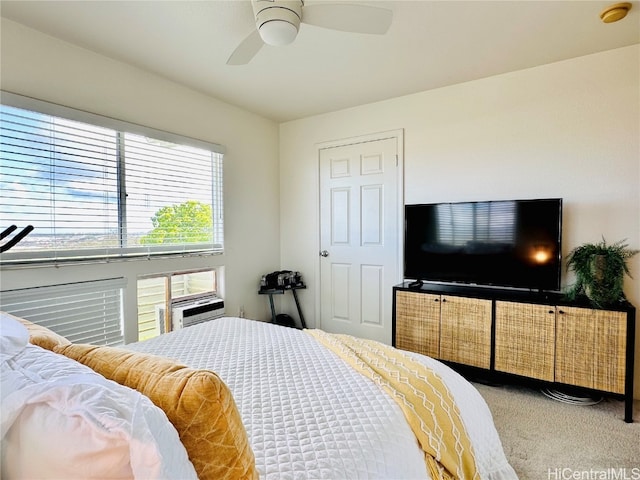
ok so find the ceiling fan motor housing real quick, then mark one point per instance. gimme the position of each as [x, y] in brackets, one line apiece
[278, 21]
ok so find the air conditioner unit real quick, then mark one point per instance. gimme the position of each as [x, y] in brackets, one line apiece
[185, 313]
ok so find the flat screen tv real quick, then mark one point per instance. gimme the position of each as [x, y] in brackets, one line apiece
[505, 243]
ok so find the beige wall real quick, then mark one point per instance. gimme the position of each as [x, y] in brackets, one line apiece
[39, 66]
[569, 129]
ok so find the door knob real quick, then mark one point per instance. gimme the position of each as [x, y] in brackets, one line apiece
[324, 253]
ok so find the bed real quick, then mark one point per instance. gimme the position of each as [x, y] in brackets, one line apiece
[298, 409]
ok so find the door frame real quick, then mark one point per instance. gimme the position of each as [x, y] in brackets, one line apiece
[398, 134]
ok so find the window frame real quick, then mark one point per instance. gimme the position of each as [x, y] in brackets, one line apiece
[169, 298]
[122, 252]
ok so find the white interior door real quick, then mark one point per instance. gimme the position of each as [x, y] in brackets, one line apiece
[360, 232]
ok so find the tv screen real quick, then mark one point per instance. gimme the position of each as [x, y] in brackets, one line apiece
[506, 243]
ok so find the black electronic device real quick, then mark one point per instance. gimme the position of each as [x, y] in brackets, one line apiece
[502, 243]
[281, 279]
[285, 320]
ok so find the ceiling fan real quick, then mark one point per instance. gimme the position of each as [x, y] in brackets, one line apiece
[278, 22]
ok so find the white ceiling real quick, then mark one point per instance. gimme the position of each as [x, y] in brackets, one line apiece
[430, 44]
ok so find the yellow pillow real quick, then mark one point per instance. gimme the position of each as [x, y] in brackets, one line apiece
[197, 402]
[42, 336]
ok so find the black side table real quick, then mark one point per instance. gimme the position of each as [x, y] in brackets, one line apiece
[280, 291]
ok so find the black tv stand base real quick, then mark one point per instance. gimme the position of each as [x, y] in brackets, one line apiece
[416, 284]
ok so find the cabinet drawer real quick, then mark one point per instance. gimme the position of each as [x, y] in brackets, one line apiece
[465, 335]
[418, 323]
[525, 339]
[591, 348]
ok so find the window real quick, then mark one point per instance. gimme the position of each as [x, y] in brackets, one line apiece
[96, 188]
[82, 312]
[156, 293]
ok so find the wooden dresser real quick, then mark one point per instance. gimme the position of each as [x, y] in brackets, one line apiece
[541, 337]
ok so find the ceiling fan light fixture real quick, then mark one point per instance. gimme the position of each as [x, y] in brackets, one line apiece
[278, 21]
[278, 32]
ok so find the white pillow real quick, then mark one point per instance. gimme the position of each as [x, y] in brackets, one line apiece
[13, 336]
[60, 419]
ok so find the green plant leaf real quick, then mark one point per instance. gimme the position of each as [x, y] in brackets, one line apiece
[600, 269]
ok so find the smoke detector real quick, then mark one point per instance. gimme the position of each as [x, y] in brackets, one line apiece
[615, 12]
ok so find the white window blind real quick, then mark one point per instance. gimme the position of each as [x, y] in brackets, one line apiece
[83, 312]
[96, 188]
[170, 200]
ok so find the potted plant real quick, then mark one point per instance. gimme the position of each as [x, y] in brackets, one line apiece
[600, 270]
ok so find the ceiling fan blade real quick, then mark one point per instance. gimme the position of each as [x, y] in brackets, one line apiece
[246, 50]
[348, 17]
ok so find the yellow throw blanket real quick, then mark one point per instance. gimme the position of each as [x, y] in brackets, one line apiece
[423, 397]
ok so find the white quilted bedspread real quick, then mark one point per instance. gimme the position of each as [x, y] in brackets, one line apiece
[311, 416]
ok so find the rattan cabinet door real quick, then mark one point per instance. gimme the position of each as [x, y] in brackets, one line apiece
[610, 352]
[591, 348]
[465, 331]
[418, 322]
[525, 339]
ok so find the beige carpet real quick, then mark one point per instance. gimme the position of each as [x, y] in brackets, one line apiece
[547, 439]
